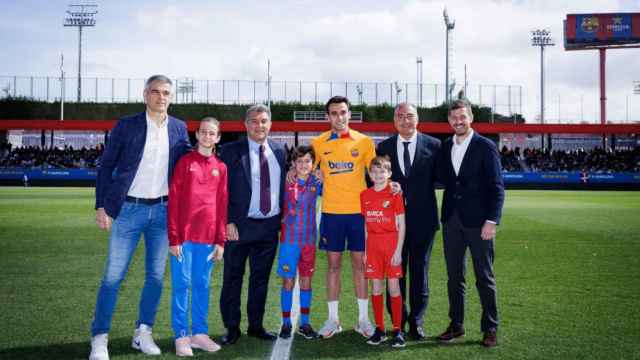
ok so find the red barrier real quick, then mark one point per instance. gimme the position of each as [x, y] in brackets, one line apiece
[427, 127]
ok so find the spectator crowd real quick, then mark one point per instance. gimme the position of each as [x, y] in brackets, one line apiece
[49, 158]
[597, 160]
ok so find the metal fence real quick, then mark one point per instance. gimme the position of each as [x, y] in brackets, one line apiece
[502, 99]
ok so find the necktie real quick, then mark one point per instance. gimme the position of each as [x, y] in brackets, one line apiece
[406, 158]
[265, 183]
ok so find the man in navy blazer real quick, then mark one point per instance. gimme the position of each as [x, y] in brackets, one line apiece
[413, 164]
[131, 200]
[469, 168]
[256, 169]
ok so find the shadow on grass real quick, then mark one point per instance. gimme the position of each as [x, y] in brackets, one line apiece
[120, 348]
[350, 344]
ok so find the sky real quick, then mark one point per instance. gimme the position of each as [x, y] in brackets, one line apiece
[357, 41]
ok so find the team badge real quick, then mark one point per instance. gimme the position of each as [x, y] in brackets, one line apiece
[590, 24]
[215, 172]
[285, 268]
[385, 204]
[354, 152]
[313, 189]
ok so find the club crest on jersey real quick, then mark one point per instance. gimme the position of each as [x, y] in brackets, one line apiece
[215, 172]
[285, 268]
[386, 204]
[313, 189]
[354, 152]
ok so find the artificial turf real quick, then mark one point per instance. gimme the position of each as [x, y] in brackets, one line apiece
[567, 267]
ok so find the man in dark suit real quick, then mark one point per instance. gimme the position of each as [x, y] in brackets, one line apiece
[131, 200]
[256, 170]
[413, 163]
[469, 169]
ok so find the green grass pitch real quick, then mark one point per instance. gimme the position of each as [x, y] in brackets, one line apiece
[567, 267]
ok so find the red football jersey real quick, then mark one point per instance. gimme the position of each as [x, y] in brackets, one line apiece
[380, 208]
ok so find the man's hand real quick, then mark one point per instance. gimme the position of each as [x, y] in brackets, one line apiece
[395, 188]
[364, 259]
[103, 220]
[291, 176]
[176, 251]
[488, 231]
[218, 253]
[396, 259]
[232, 232]
[318, 173]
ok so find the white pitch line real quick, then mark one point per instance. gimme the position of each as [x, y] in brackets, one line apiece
[282, 347]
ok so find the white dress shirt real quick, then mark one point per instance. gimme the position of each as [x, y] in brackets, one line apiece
[413, 142]
[274, 180]
[458, 151]
[152, 177]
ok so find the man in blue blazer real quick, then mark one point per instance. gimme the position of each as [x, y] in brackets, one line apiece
[256, 169]
[131, 200]
[413, 164]
[469, 168]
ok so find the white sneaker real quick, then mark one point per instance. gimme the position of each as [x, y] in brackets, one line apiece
[330, 328]
[143, 341]
[99, 347]
[365, 328]
[204, 342]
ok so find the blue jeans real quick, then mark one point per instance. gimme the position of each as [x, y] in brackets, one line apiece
[134, 220]
[192, 270]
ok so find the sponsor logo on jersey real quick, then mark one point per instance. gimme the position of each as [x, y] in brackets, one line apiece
[374, 213]
[339, 167]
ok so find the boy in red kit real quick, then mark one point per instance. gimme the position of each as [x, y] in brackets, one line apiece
[385, 229]
[197, 231]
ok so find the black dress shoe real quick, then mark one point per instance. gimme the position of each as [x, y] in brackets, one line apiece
[261, 334]
[416, 333]
[232, 335]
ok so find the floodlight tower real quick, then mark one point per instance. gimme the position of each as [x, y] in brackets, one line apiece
[542, 38]
[450, 25]
[80, 15]
[419, 80]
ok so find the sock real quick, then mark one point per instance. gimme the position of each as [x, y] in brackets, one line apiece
[363, 310]
[305, 306]
[378, 310]
[333, 310]
[396, 311]
[286, 298]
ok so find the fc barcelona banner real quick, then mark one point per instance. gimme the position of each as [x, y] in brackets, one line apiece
[588, 31]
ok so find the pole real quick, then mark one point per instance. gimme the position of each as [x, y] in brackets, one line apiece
[79, 62]
[603, 90]
[446, 68]
[62, 86]
[541, 84]
[269, 83]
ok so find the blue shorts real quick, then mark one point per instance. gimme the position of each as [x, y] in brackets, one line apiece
[338, 229]
[294, 258]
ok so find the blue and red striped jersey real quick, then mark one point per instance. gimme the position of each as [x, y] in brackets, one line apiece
[299, 211]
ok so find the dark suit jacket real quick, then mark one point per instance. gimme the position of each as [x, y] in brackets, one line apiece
[236, 156]
[477, 193]
[122, 156]
[418, 190]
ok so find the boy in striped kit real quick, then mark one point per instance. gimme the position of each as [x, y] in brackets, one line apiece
[297, 253]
